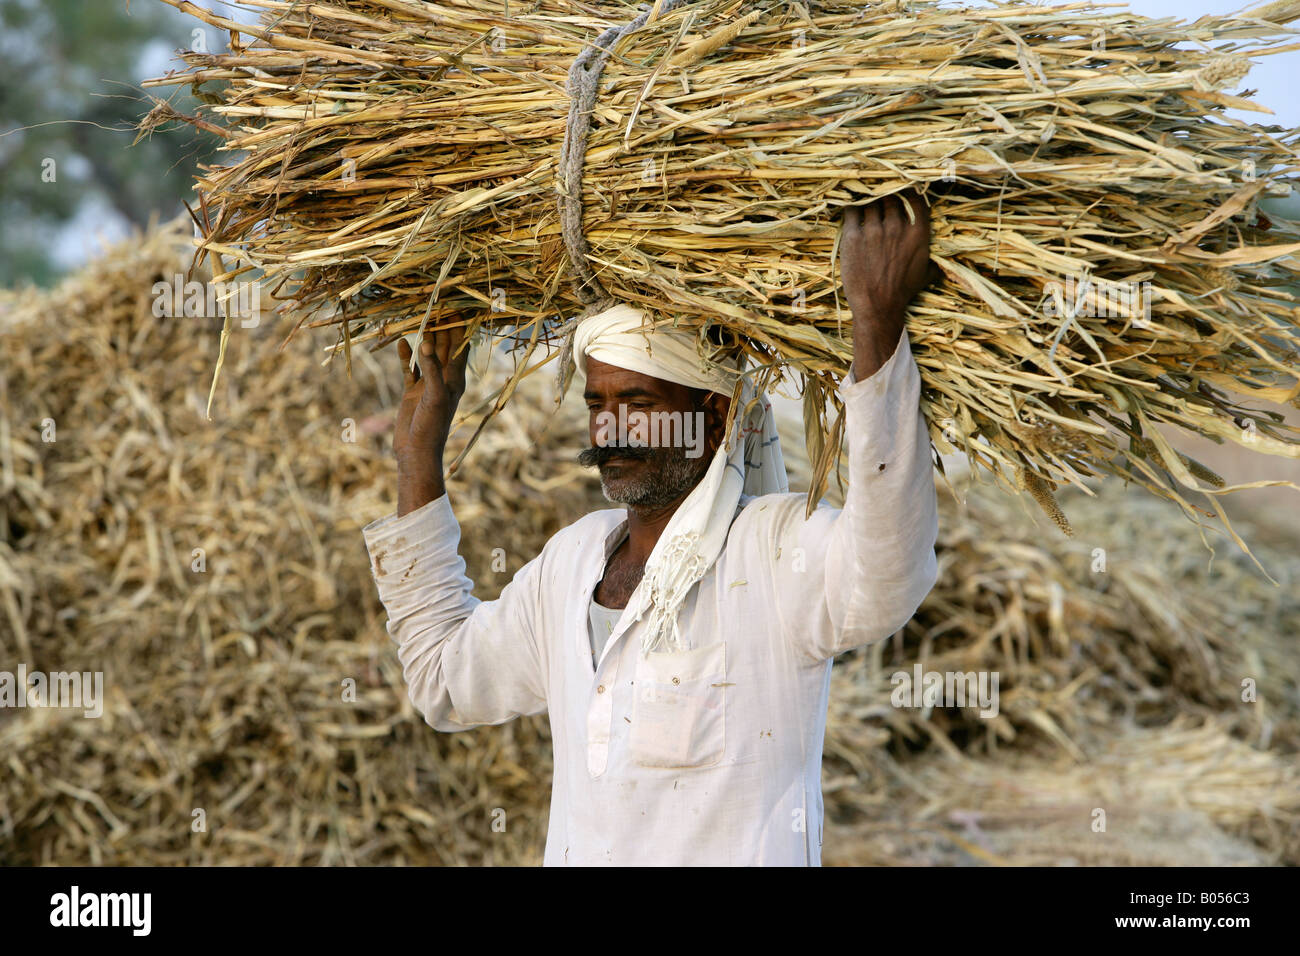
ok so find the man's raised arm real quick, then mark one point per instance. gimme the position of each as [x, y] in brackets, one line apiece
[872, 563]
[465, 662]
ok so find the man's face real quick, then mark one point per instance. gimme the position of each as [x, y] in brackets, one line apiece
[651, 439]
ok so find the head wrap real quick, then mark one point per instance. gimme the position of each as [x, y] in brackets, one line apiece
[748, 462]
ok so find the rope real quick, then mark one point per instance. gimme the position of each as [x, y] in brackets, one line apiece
[584, 77]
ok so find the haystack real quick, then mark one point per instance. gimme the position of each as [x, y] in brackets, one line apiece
[1123, 658]
[215, 572]
[1106, 266]
[1181, 795]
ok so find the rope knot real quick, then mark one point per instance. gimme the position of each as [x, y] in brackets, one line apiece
[583, 79]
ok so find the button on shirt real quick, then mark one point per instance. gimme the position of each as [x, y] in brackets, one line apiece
[707, 755]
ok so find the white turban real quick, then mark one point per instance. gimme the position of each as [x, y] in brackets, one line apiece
[624, 337]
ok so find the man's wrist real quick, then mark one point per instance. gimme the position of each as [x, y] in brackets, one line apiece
[414, 491]
[876, 335]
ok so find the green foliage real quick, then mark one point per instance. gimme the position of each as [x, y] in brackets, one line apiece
[69, 100]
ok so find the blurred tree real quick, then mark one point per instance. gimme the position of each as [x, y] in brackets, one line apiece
[69, 101]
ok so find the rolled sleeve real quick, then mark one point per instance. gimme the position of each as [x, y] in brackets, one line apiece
[466, 662]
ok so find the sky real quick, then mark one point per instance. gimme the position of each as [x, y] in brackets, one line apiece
[1273, 76]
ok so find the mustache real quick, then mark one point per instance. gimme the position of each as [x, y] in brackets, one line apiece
[598, 455]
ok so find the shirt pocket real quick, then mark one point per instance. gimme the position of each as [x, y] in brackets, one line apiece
[679, 708]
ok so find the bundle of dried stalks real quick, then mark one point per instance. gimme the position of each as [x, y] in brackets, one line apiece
[1106, 268]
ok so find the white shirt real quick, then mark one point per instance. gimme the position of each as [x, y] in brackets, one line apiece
[716, 756]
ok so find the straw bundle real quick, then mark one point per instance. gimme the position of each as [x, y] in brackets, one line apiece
[398, 162]
[224, 686]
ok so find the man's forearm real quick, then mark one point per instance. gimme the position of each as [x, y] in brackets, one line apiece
[424, 417]
[465, 663]
[883, 541]
[884, 263]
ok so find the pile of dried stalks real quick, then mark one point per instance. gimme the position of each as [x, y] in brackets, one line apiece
[1178, 795]
[398, 162]
[1101, 645]
[1087, 633]
[225, 687]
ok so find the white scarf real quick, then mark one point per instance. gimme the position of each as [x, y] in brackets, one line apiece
[623, 337]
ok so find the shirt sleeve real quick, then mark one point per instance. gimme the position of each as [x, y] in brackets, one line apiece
[867, 567]
[466, 662]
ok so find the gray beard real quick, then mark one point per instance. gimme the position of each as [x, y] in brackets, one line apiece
[674, 479]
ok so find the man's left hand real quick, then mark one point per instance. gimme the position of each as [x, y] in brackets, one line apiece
[884, 263]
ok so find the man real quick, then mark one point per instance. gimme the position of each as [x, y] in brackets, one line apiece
[682, 648]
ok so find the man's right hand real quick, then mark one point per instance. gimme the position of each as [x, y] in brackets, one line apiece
[432, 392]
